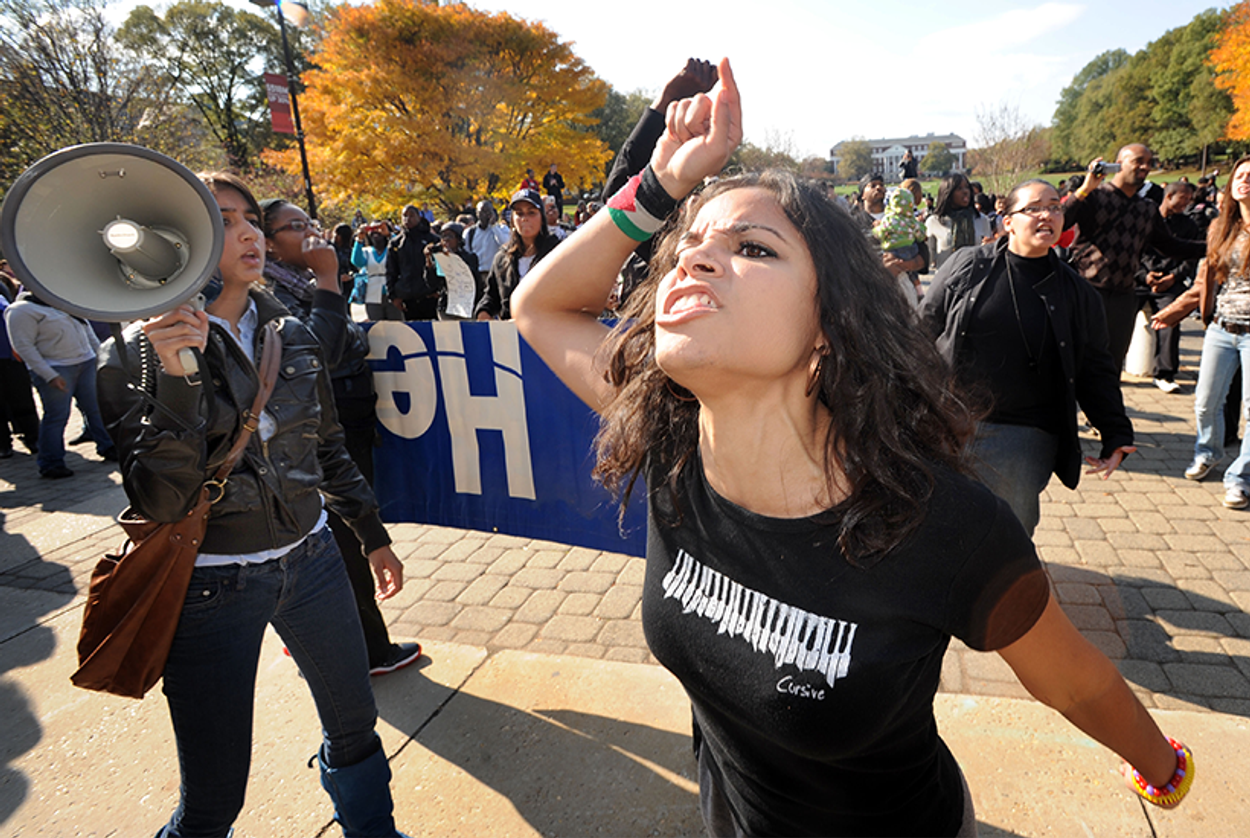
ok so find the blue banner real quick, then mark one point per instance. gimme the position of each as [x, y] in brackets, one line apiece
[478, 433]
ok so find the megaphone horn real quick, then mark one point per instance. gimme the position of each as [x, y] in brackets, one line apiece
[111, 232]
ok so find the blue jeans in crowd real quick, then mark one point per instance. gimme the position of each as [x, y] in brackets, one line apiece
[80, 387]
[1015, 462]
[210, 677]
[1222, 354]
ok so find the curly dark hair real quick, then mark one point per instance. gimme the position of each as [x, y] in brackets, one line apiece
[895, 415]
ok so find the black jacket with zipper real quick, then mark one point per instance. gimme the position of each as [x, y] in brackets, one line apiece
[1078, 325]
[274, 495]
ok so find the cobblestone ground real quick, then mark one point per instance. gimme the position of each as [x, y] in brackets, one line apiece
[1151, 567]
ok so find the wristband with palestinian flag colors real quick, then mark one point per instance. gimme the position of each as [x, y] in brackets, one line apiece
[641, 207]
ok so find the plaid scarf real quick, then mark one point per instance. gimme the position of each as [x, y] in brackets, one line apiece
[296, 282]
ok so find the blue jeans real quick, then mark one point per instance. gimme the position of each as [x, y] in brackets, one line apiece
[1222, 355]
[80, 387]
[1015, 462]
[210, 677]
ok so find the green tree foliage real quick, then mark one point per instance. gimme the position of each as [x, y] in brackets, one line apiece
[64, 80]
[1183, 89]
[1164, 95]
[938, 159]
[616, 118]
[1066, 113]
[208, 53]
[855, 158]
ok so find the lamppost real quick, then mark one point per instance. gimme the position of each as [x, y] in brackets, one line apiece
[299, 16]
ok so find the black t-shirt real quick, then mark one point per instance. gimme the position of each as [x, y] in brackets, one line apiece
[1009, 356]
[812, 680]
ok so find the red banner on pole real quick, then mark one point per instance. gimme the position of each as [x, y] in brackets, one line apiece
[279, 103]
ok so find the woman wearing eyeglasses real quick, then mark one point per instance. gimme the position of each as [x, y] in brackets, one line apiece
[301, 269]
[1027, 338]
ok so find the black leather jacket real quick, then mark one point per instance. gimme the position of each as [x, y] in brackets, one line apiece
[1078, 325]
[505, 276]
[405, 265]
[274, 495]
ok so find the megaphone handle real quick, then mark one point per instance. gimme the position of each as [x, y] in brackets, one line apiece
[190, 364]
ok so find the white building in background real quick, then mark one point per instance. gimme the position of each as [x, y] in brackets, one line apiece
[888, 153]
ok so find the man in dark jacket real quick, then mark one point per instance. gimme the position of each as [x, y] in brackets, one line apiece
[907, 167]
[553, 184]
[1161, 279]
[405, 268]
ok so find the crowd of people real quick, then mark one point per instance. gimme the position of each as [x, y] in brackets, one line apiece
[821, 435]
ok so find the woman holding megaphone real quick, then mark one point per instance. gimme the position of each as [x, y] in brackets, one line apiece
[267, 556]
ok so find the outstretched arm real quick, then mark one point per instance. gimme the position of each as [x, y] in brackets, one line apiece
[1063, 670]
[557, 305]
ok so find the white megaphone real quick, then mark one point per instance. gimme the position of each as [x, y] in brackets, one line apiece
[112, 232]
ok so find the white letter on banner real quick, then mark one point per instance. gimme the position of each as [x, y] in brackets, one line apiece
[416, 379]
[505, 412]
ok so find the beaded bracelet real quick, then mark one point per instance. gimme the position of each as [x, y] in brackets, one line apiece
[1177, 787]
[641, 206]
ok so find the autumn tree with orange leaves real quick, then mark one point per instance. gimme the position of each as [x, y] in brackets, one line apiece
[1231, 61]
[440, 104]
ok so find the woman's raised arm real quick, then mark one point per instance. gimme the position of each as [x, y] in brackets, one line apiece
[557, 305]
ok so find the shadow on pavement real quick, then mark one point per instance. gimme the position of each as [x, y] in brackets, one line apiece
[565, 772]
[1153, 619]
[23, 642]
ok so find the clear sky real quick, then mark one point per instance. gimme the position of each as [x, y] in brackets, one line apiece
[821, 71]
[815, 72]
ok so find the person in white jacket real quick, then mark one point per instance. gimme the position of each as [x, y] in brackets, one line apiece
[60, 350]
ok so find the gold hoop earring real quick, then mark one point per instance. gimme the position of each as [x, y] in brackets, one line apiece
[668, 384]
[814, 381]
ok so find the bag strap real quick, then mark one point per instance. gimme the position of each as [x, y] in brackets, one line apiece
[270, 360]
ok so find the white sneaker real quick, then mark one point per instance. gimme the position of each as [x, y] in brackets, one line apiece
[1199, 469]
[1167, 386]
[1236, 498]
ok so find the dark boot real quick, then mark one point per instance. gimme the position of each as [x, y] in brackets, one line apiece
[166, 833]
[362, 796]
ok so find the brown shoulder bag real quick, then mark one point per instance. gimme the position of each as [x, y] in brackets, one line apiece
[136, 596]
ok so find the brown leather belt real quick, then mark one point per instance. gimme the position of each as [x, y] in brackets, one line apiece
[1234, 328]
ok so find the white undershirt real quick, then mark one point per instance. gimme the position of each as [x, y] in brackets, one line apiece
[246, 339]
